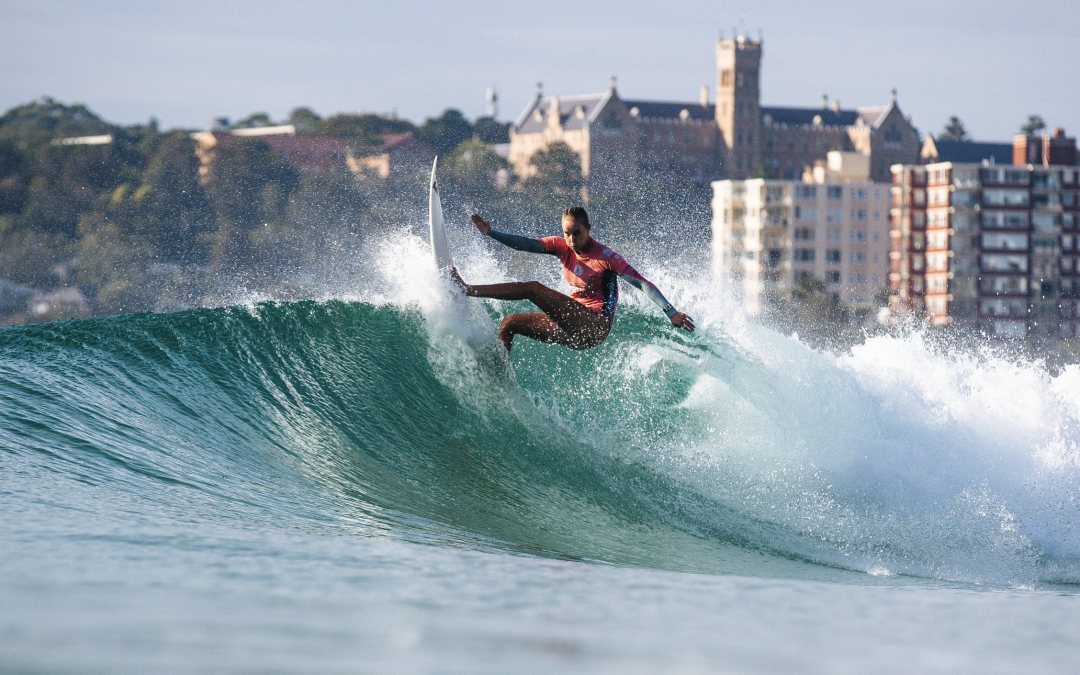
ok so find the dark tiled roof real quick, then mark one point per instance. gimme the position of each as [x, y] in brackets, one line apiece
[664, 110]
[972, 152]
[569, 113]
[805, 116]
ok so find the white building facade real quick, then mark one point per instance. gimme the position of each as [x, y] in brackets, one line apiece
[833, 225]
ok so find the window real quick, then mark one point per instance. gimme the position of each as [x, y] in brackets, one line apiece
[804, 255]
[857, 278]
[806, 191]
[860, 193]
[804, 234]
[833, 255]
[860, 214]
[832, 277]
[1004, 242]
[858, 235]
[835, 192]
[858, 256]
[833, 234]
[835, 214]
[805, 213]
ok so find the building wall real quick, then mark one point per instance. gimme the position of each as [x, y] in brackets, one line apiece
[995, 251]
[768, 233]
[738, 104]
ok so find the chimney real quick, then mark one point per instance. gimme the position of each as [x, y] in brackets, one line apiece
[836, 104]
[704, 95]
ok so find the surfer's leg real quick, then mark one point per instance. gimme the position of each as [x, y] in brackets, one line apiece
[580, 327]
[537, 326]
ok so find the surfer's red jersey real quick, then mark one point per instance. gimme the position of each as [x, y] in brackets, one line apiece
[585, 272]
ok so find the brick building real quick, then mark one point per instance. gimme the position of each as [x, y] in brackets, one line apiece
[734, 138]
[988, 246]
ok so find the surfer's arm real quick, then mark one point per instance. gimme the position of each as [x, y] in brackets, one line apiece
[630, 276]
[518, 243]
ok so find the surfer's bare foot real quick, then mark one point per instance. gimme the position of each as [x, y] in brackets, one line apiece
[458, 281]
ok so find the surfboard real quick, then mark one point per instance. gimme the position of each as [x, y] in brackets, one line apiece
[440, 247]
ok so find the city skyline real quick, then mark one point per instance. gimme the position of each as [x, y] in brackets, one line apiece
[186, 63]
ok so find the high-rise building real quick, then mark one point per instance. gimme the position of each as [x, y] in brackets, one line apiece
[986, 246]
[833, 225]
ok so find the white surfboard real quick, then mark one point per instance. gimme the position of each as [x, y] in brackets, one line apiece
[440, 247]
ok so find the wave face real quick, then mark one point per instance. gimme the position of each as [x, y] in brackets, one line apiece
[735, 450]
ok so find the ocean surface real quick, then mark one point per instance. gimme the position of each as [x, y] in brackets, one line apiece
[364, 484]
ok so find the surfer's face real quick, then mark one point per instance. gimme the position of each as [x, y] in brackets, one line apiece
[576, 234]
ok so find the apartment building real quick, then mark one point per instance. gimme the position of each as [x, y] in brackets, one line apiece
[833, 225]
[990, 247]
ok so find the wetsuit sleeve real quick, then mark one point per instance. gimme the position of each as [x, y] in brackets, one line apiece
[630, 275]
[519, 243]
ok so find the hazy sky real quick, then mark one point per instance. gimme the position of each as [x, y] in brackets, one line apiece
[991, 62]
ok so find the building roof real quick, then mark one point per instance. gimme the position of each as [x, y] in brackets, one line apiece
[937, 150]
[798, 117]
[673, 111]
[874, 116]
[574, 111]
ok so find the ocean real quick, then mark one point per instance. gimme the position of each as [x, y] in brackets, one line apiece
[363, 483]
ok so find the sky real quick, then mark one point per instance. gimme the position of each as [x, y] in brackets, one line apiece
[990, 62]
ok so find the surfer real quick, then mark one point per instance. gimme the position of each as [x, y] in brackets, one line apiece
[578, 321]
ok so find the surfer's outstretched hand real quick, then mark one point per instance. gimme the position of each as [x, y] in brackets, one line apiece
[483, 225]
[680, 320]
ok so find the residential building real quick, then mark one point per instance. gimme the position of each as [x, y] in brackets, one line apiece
[833, 225]
[309, 155]
[987, 246]
[399, 154]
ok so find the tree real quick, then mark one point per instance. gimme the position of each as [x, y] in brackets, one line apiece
[253, 121]
[37, 123]
[367, 130]
[954, 131]
[1034, 125]
[169, 207]
[13, 178]
[445, 132]
[558, 171]
[488, 130]
[249, 187]
[304, 119]
[475, 168]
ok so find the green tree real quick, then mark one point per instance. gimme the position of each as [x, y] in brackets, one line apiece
[558, 172]
[109, 266]
[475, 168]
[446, 131]
[304, 119]
[954, 131]
[367, 130]
[489, 130]
[170, 208]
[13, 178]
[249, 186]
[39, 122]
[253, 121]
[1033, 126]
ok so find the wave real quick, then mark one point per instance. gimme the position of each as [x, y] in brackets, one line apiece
[735, 450]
